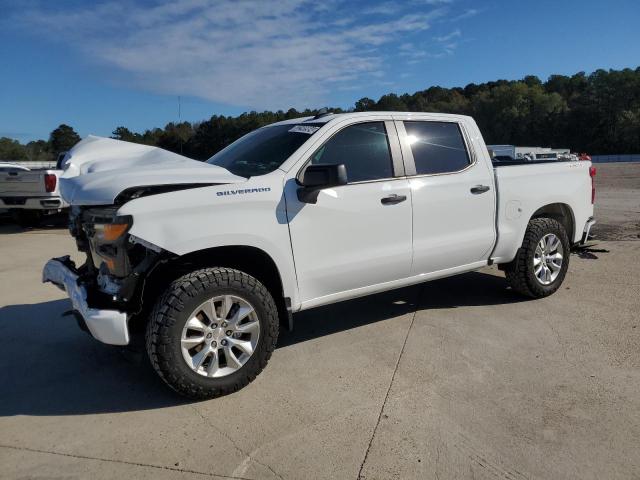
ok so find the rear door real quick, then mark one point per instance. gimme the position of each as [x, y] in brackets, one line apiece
[452, 193]
[356, 235]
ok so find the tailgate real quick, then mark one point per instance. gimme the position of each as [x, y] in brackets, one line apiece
[24, 184]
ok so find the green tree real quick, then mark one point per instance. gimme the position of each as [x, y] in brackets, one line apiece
[123, 133]
[391, 102]
[62, 139]
[11, 150]
[38, 150]
[365, 104]
[175, 136]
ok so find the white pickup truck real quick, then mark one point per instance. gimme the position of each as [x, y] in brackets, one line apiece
[29, 194]
[205, 259]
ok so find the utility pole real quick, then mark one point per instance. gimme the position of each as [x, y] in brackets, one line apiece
[180, 120]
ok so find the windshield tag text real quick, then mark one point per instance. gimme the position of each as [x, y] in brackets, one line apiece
[304, 129]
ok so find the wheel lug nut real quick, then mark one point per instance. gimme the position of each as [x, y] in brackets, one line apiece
[224, 324]
[214, 325]
[229, 333]
[223, 342]
[214, 344]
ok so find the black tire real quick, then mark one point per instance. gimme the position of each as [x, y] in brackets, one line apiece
[520, 272]
[27, 218]
[170, 314]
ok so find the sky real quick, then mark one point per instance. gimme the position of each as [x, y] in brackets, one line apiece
[97, 65]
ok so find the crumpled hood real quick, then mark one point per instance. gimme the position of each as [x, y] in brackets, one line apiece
[97, 169]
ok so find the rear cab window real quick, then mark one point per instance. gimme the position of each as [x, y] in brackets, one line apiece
[437, 147]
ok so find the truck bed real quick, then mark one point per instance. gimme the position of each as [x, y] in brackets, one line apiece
[520, 188]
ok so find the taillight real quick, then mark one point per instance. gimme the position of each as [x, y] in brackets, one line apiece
[50, 182]
[592, 174]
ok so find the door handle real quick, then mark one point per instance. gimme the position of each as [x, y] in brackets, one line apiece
[393, 199]
[480, 189]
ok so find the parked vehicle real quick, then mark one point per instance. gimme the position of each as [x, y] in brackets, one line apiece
[30, 194]
[9, 167]
[6, 167]
[203, 260]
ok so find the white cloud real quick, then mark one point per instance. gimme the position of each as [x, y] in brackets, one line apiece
[443, 47]
[472, 12]
[445, 38]
[386, 8]
[432, 2]
[252, 53]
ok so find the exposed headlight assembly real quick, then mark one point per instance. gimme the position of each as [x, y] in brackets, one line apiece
[107, 233]
[110, 232]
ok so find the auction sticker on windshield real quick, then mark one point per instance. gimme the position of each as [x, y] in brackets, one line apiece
[304, 129]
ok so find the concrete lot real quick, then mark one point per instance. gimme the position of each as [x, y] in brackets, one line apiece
[457, 378]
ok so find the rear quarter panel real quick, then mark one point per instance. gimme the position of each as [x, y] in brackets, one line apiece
[524, 189]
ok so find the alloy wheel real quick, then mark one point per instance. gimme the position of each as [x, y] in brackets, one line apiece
[220, 336]
[547, 259]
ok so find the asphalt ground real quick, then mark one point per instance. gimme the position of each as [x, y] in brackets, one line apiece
[453, 379]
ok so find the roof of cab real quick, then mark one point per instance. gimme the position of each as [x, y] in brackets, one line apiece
[335, 116]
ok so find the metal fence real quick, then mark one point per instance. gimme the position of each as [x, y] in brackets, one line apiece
[32, 165]
[635, 157]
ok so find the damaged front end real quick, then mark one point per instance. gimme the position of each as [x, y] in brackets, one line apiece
[106, 291]
[100, 176]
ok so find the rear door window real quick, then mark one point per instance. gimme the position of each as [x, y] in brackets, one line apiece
[364, 150]
[437, 147]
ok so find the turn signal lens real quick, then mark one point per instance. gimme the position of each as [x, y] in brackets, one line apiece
[113, 231]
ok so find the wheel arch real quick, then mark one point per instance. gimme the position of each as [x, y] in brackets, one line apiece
[560, 212]
[251, 260]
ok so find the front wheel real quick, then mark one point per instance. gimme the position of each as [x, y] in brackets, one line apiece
[542, 261]
[212, 332]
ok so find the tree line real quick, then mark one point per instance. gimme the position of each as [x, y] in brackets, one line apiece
[60, 140]
[597, 113]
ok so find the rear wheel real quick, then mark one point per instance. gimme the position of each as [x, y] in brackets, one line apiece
[542, 261]
[212, 332]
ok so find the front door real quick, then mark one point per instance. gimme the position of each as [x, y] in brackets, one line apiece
[356, 235]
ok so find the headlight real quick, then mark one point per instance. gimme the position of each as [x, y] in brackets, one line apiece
[110, 232]
[107, 234]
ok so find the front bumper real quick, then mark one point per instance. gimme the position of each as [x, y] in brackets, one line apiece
[107, 326]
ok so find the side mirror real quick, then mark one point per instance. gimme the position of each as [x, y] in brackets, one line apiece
[319, 176]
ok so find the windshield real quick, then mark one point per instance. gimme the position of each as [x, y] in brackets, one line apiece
[263, 150]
